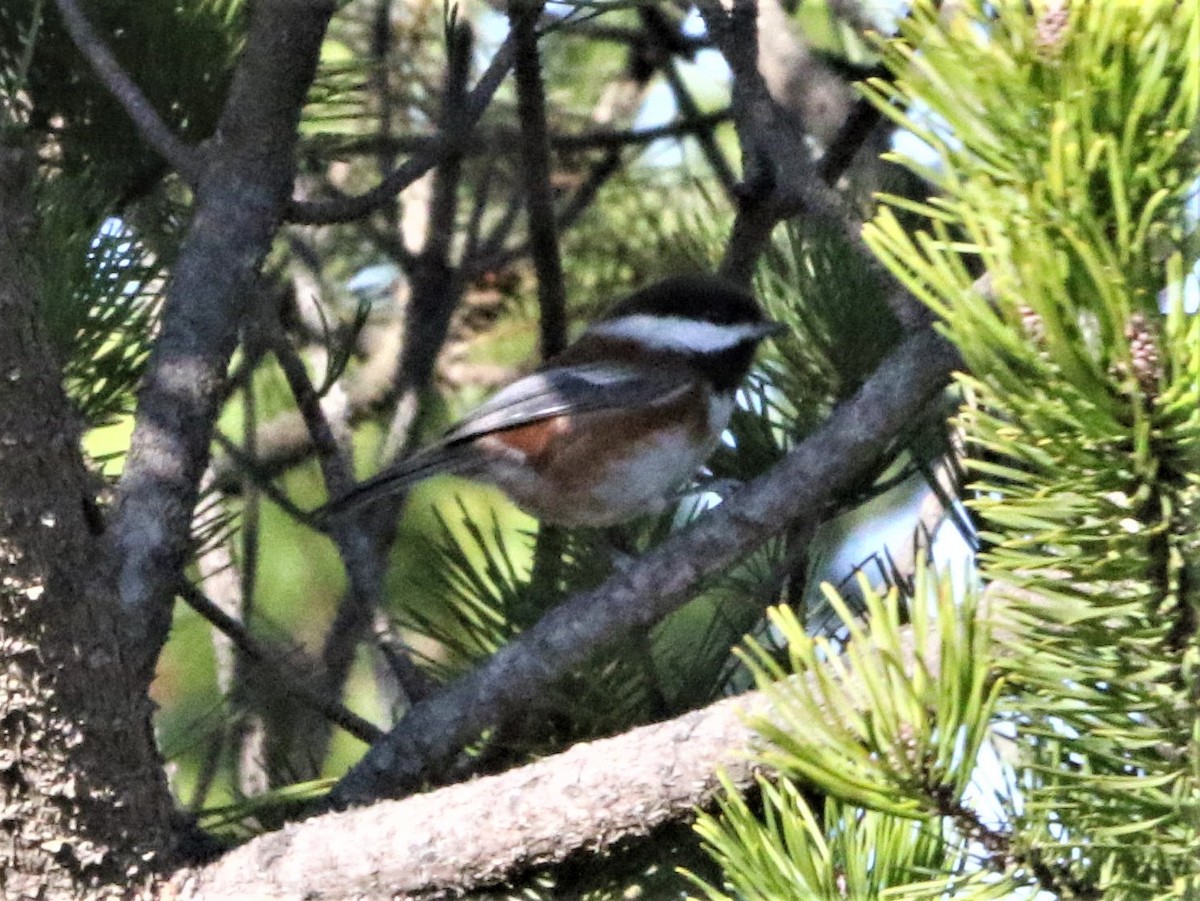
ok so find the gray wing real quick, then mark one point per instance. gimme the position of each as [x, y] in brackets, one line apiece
[568, 389]
[550, 392]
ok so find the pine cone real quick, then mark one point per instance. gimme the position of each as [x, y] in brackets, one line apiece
[1052, 28]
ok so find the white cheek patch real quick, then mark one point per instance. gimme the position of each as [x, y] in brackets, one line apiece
[677, 333]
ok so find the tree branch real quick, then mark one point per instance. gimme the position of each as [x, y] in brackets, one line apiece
[842, 452]
[187, 161]
[590, 799]
[290, 681]
[242, 467]
[539, 196]
[240, 198]
[336, 468]
[859, 124]
[504, 140]
[468, 836]
[705, 135]
[362, 556]
[436, 288]
[347, 209]
[381, 48]
[779, 179]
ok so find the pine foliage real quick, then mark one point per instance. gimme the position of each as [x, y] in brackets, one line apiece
[100, 299]
[1066, 149]
[887, 724]
[100, 278]
[180, 54]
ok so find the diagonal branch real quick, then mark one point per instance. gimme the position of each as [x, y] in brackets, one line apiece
[186, 160]
[336, 468]
[705, 135]
[347, 209]
[361, 555]
[436, 289]
[239, 202]
[780, 179]
[859, 124]
[455, 840]
[289, 680]
[593, 798]
[854, 439]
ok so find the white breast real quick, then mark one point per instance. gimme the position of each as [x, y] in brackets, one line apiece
[643, 480]
[650, 478]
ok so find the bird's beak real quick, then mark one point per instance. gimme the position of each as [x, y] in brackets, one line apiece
[770, 329]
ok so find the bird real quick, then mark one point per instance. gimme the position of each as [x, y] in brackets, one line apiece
[614, 426]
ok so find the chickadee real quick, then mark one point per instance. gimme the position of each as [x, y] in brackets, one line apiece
[611, 428]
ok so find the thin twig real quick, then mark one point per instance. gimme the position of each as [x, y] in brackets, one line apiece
[1054, 877]
[415, 682]
[381, 45]
[361, 554]
[705, 135]
[479, 206]
[505, 140]
[209, 767]
[186, 160]
[290, 682]
[362, 543]
[543, 239]
[248, 468]
[347, 209]
[599, 174]
[539, 196]
[334, 462]
[492, 246]
[436, 286]
[859, 124]
[436, 289]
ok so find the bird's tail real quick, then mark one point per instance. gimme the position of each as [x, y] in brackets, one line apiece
[397, 478]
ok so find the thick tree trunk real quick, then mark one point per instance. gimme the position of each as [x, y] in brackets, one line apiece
[84, 806]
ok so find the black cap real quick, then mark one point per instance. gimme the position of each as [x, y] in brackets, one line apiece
[709, 298]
